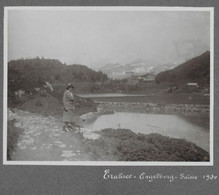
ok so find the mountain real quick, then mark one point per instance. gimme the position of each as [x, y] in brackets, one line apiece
[113, 70]
[194, 70]
[139, 67]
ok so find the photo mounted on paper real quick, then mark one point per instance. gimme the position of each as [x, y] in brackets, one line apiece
[108, 86]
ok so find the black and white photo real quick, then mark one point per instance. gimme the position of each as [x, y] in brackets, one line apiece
[108, 86]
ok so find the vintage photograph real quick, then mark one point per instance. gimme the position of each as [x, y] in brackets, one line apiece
[108, 86]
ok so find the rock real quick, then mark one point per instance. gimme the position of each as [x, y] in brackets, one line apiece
[11, 114]
[18, 124]
[88, 118]
[88, 134]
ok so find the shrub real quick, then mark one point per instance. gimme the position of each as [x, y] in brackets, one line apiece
[38, 103]
[12, 139]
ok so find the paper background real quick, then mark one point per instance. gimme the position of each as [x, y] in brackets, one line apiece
[29, 179]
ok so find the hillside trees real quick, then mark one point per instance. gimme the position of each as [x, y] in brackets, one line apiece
[26, 74]
[194, 70]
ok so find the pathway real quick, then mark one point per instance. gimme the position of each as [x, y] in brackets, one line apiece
[44, 140]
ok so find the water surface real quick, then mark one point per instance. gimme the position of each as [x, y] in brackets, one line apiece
[109, 95]
[168, 125]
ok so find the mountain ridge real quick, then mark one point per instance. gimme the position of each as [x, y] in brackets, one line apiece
[196, 70]
[139, 67]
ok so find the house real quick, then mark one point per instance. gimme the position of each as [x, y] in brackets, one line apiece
[192, 85]
[147, 77]
[132, 82]
[130, 74]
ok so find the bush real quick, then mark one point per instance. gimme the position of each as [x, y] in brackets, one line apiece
[129, 146]
[12, 139]
[38, 103]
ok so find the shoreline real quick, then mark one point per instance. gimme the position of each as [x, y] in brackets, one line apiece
[161, 98]
[122, 144]
[154, 108]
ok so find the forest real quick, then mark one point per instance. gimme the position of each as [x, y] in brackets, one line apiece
[27, 74]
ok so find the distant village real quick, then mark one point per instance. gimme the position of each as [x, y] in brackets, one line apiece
[133, 77]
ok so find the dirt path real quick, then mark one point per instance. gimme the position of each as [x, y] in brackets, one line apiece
[44, 140]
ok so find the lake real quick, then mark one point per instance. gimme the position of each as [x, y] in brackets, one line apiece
[194, 129]
[109, 95]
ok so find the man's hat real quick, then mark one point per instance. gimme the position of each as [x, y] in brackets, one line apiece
[69, 86]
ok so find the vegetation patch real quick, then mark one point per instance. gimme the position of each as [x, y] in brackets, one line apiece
[48, 105]
[125, 145]
[13, 137]
[38, 103]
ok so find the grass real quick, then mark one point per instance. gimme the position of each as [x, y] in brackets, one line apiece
[124, 145]
[13, 136]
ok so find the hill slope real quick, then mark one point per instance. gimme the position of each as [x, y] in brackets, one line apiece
[194, 70]
[27, 74]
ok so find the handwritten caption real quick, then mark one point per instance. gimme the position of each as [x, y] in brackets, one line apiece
[108, 175]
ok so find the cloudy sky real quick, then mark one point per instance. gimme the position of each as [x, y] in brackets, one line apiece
[95, 38]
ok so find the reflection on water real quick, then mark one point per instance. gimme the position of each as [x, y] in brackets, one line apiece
[109, 95]
[199, 121]
[169, 125]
